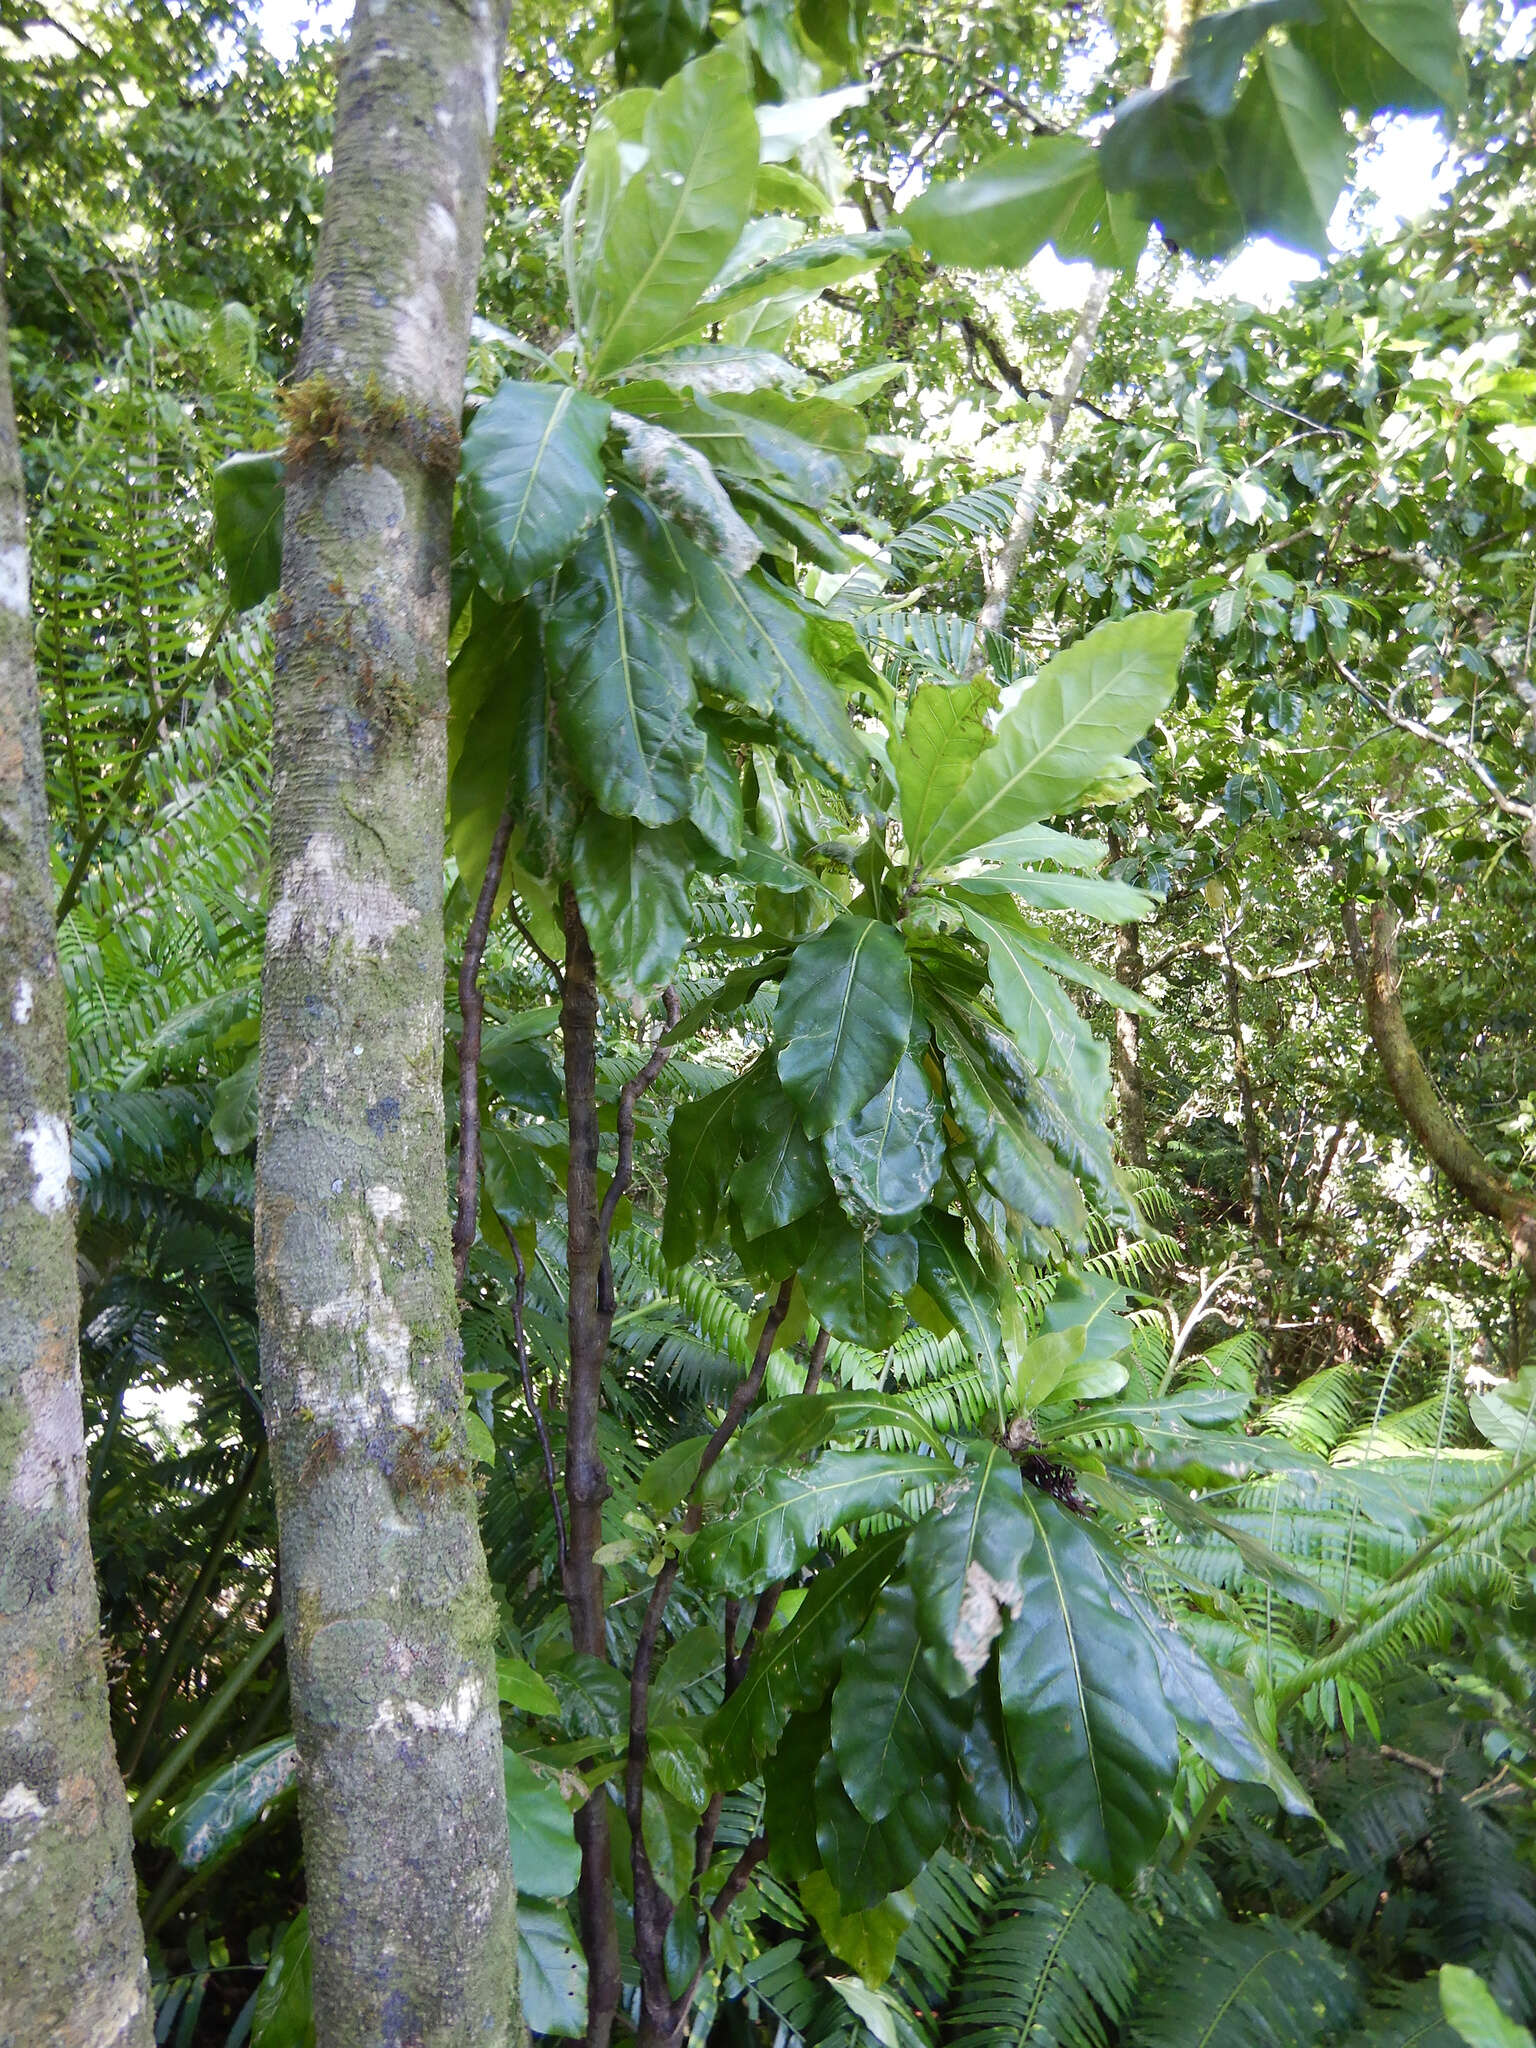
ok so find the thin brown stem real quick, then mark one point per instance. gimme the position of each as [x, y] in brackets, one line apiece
[536, 1413]
[472, 1010]
[624, 1171]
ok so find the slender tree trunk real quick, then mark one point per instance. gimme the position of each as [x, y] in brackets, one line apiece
[1416, 1095]
[390, 1620]
[72, 1972]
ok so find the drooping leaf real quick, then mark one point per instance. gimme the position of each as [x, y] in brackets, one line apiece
[809, 447]
[545, 1859]
[1043, 1019]
[701, 1151]
[891, 1725]
[1092, 1735]
[803, 271]
[517, 1185]
[854, 1284]
[866, 1941]
[1013, 1161]
[1051, 190]
[885, 1161]
[678, 217]
[680, 483]
[843, 1019]
[532, 481]
[233, 1123]
[793, 1668]
[1217, 46]
[952, 1277]
[867, 1860]
[658, 37]
[963, 1560]
[1084, 707]
[781, 1520]
[505, 746]
[783, 1176]
[632, 886]
[551, 1971]
[1380, 54]
[248, 495]
[613, 636]
[1473, 2011]
[717, 811]
[1287, 152]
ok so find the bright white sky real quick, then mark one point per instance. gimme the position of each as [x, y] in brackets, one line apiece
[1401, 170]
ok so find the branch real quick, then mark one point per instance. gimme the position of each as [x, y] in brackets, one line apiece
[1036, 123]
[624, 1172]
[472, 1010]
[1509, 805]
[1416, 1095]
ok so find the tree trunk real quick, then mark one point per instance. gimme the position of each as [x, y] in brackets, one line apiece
[1416, 1095]
[72, 1970]
[390, 1620]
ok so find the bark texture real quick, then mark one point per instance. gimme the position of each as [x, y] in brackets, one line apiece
[72, 1970]
[385, 1589]
[1416, 1095]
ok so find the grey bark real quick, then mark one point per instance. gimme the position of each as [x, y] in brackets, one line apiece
[385, 1588]
[72, 1971]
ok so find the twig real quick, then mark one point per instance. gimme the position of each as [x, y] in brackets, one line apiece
[1510, 806]
[740, 1877]
[472, 1010]
[1037, 123]
[624, 1171]
[515, 918]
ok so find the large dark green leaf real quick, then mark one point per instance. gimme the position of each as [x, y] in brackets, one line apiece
[867, 1860]
[1085, 707]
[1217, 46]
[955, 1281]
[782, 1519]
[658, 37]
[551, 1972]
[1287, 153]
[843, 1019]
[803, 271]
[885, 1161]
[532, 481]
[614, 644]
[1092, 1736]
[701, 1151]
[505, 747]
[545, 1859]
[946, 728]
[854, 1284]
[228, 1801]
[1049, 191]
[632, 886]
[1046, 1024]
[783, 1432]
[679, 481]
[963, 1560]
[891, 1725]
[679, 215]
[792, 1669]
[810, 447]
[783, 1176]
[248, 495]
[1389, 53]
[1013, 1161]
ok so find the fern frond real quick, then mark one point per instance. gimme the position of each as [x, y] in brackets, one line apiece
[1056, 1969]
[1259, 1985]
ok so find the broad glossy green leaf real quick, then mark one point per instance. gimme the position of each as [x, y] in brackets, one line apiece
[1092, 1303]
[885, 1161]
[532, 481]
[505, 747]
[963, 1561]
[803, 271]
[855, 1284]
[1378, 54]
[1046, 1024]
[680, 483]
[545, 1859]
[891, 1725]
[681, 1763]
[776, 519]
[658, 37]
[783, 1176]
[1039, 945]
[551, 1972]
[227, 1802]
[810, 447]
[284, 2015]
[1083, 708]
[1034, 843]
[679, 216]
[867, 1860]
[783, 1432]
[248, 495]
[1015, 1163]
[520, 1071]
[946, 728]
[632, 886]
[701, 1150]
[1048, 191]
[1083, 895]
[517, 1186]
[1217, 46]
[1287, 154]
[1162, 151]
[957, 1283]
[866, 1941]
[843, 1019]
[613, 636]
[780, 1522]
[988, 1794]
[1471, 2008]
[793, 1668]
[717, 811]
[1093, 1737]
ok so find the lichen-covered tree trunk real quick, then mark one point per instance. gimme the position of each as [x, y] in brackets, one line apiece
[72, 1970]
[390, 1620]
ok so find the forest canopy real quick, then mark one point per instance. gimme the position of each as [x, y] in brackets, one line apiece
[767, 1075]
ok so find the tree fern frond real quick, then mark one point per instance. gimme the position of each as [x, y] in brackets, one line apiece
[984, 513]
[1056, 1969]
[1260, 1985]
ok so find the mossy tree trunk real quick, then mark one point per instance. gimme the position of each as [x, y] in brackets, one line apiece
[72, 1970]
[390, 1620]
